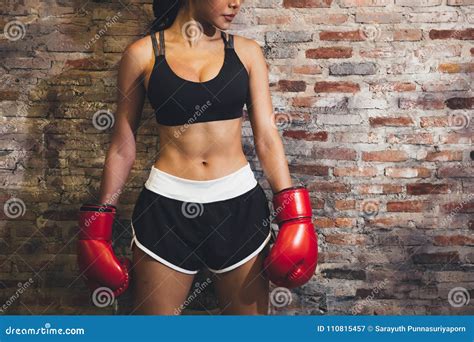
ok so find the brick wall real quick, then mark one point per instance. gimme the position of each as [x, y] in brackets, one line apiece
[374, 103]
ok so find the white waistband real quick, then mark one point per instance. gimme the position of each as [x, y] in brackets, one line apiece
[189, 190]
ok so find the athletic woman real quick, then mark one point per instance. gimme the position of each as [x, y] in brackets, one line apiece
[201, 206]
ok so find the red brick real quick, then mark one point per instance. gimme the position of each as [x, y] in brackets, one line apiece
[345, 239]
[411, 138]
[335, 153]
[329, 52]
[342, 36]
[274, 20]
[460, 103]
[452, 34]
[307, 69]
[444, 156]
[407, 35]
[367, 189]
[329, 187]
[314, 170]
[291, 86]
[307, 3]
[384, 156]
[305, 135]
[428, 189]
[338, 222]
[403, 121]
[303, 101]
[452, 68]
[355, 172]
[418, 172]
[464, 207]
[434, 121]
[453, 240]
[344, 204]
[336, 87]
[422, 102]
[455, 172]
[456, 138]
[406, 206]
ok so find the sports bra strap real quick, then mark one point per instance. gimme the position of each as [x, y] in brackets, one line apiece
[229, 44]
[156, 50]
[162, 42]
[160, 50]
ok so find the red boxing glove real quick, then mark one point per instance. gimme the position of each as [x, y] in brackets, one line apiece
[294, 255]
[95, 256]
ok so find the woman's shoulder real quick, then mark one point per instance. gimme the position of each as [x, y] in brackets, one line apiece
[246, 45]
[244, 41]
[249, 50]
[139, 48]
[139, 53]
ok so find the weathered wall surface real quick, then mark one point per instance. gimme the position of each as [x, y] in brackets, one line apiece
[374, 103]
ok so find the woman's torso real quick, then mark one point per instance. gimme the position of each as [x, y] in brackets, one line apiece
[198, 141]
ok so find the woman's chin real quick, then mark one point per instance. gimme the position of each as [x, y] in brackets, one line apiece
[223, 24]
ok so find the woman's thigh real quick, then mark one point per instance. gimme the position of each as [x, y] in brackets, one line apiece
[244, 290]
[158, 289]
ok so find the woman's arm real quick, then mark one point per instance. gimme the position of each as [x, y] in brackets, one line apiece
[130, 98]
[268, 144]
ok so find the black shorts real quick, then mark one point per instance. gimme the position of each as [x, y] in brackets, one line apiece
[189, 236]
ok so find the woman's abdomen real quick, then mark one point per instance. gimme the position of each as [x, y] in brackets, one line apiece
[201, 151]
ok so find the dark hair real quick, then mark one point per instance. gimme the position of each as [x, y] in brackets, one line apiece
[165, 12]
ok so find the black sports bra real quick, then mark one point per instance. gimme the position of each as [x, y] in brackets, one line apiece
[177, 101]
